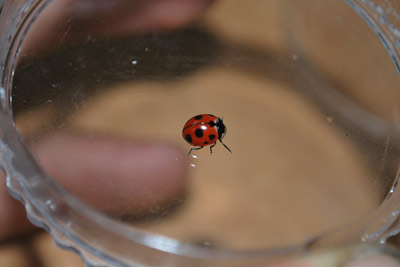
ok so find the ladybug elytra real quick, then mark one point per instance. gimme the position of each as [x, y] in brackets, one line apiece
[204, 130]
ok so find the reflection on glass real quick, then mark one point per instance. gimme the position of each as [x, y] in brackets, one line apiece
[102, 111]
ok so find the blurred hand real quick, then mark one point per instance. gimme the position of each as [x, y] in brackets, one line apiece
[117, 177]
[74, 19]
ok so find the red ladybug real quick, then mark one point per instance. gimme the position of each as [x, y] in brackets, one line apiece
[204, 130]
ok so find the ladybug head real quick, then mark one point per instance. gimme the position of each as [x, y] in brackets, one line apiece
[221, 128]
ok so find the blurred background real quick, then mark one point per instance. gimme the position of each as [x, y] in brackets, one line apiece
[314, 141]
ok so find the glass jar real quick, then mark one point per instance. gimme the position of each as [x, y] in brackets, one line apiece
[94, 98]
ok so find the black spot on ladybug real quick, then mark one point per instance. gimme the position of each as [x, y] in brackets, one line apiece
[198, 133]
[211, 137]
[212, 123]
[198, 117]
[188, 138]
[206, 142]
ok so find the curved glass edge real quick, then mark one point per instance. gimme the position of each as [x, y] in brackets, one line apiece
[384, 19]
[10, 15]
[70, 234]
[38, 220]
[383, 16]
[384, 222]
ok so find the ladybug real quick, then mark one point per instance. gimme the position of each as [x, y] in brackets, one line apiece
[204, 130]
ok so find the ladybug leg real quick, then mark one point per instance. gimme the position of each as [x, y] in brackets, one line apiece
[225, 146]
[194, 148]
[211, 147]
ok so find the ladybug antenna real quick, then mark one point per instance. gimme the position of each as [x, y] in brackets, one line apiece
[225, 146]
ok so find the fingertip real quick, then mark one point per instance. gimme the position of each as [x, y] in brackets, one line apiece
[118, 177]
